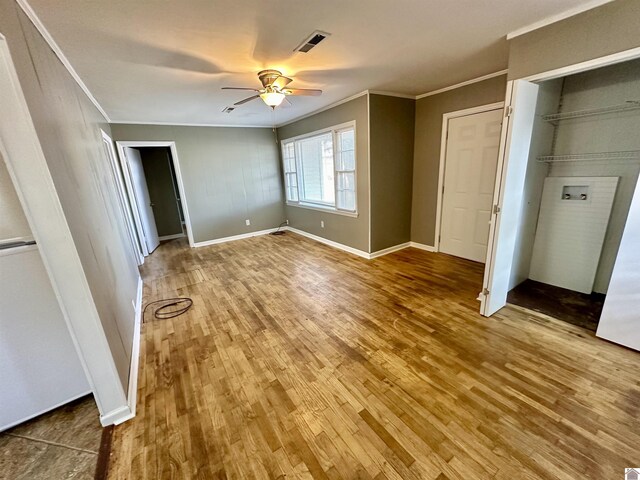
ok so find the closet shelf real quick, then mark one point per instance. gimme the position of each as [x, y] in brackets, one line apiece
[625, 107]
[579, 157]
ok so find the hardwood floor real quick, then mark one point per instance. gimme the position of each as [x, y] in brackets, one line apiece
[302, 361]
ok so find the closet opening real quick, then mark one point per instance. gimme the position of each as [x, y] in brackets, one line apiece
[581, 175]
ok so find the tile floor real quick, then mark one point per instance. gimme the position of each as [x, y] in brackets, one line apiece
[61, 444]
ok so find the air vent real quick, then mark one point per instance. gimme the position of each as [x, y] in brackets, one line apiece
[314, 39]
[228, 109]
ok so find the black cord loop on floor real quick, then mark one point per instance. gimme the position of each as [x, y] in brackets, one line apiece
[182, 303]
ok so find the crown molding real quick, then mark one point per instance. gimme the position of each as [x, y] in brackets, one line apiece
[392, 94]
[557, 17]
[29, 12]
[463, 84]
[323, 109]
[172, 124]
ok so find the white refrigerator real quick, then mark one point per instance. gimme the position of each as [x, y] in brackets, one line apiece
[39, 367]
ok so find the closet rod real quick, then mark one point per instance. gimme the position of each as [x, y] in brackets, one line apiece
[578, 157]
[625, 107]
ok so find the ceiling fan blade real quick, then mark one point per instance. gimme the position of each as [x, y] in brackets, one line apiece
[302, 91]
[247, 100]
[240, 88]
[281, 81]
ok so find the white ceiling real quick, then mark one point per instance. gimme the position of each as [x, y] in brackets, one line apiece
[164, 61]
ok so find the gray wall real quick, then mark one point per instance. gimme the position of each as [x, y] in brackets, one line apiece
[229, 175]
[158, 173]
[612, 85]
[68, 126]
[428, 137]
[608, 29]
[392, 125]
[351, 231]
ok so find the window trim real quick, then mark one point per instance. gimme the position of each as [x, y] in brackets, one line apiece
[334, 130]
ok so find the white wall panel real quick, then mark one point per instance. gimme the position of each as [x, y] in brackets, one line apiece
[571, 233]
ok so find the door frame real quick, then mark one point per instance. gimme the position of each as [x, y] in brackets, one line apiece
[122, 197]
[443, 156]
[129, 186]
[585, 66]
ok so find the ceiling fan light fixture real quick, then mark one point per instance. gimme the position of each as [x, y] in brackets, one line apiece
[273, 99]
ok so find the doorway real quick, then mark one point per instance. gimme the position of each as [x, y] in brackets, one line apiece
[470, 143]
[155, 193]
[564, 243]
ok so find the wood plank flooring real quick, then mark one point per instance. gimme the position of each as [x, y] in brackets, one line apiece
[302, 361]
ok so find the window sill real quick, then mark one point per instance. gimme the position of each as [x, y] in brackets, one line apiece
[323, 209]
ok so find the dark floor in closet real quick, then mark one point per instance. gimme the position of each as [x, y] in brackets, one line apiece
[576, 308]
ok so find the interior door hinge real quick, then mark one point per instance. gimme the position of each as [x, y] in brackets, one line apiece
[508, 111]
[496, 209]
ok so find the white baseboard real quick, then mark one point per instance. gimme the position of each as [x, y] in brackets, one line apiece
[116, 417]
[215, 241]
[124, 413]
[132, 391]
[331, 243]
[171, 237]
[422, 246]
[389, 250]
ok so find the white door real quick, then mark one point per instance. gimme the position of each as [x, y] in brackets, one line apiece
[513, 157]
[147, 221]
[620, 321]
[469, 176]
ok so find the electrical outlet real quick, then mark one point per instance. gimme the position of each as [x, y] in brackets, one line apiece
[286, 222]
[247, 221]
[321, 223]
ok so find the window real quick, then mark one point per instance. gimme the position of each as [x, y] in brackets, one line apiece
[320, 169]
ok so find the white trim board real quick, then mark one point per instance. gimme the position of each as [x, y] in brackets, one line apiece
[422, 246]
[386, 251]
[29, 12]
[122, 414]
[331, 243]
[233, 238]
[171, 124]
[443, 157]
[585, 66]
[557, 17]
[171, 237]
[328, 107]
[463, 84]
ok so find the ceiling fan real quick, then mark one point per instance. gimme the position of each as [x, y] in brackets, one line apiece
[275, 89]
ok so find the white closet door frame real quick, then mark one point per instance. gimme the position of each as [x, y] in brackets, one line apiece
[489, 304]
[443, 156]
[513, 157]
